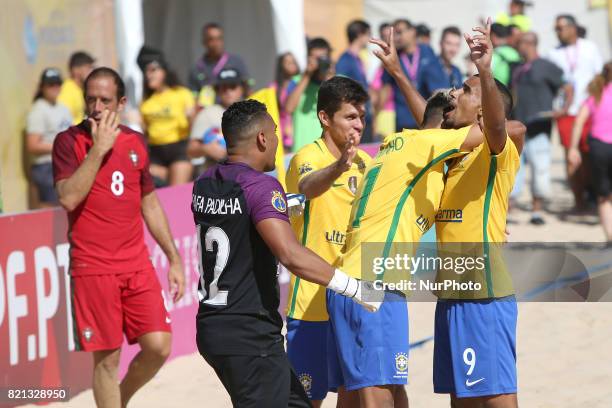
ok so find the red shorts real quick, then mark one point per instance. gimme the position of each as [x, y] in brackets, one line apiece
[106, 306]
[565, 124]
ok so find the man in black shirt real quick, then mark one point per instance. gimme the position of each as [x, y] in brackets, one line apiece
[203, 75]
[536, 84]
[243, 228]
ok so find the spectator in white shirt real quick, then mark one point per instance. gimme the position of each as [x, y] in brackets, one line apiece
[580, 61]
[46, 119]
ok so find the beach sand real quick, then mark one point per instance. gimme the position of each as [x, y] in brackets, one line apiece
[563, 349]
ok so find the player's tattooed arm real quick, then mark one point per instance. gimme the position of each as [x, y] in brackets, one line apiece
[156, 221]
[319, 181]
[302, 262]
[493, 112]
[73, 190]
[390, 60]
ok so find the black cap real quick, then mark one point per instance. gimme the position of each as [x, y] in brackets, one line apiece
[80, 58]
[523, 3]
[148, 55]
[423, 30]
[51, 76]
[229, 76]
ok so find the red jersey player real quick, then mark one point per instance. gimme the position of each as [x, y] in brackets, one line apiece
[102, 179]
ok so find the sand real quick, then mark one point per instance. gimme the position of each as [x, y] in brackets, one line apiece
[563, 349]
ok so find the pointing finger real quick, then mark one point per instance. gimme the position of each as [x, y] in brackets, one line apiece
[390, 40]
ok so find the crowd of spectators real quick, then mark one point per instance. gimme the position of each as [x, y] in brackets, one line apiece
[565, 88]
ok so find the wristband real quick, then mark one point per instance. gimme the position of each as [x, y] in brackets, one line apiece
[343, 284]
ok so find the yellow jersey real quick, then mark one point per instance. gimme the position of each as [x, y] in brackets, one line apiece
[71, 95]
[473, 212]
[322, 226]
[165, 115]
[398, 197]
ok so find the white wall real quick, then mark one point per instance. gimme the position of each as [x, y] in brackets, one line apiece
[466, 13]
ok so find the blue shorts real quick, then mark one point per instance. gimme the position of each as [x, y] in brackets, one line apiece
[307, 351]
[475, 347]
[42, 177]
[369, 348]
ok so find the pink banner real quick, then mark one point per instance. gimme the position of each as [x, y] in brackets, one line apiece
[35, 319]
[177, 205]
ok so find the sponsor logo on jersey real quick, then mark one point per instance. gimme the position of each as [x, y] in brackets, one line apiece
[215, 206]
[394, 145]
[423, 223]
[306, 380]
[87, 333]
[304, 168]
[335, 237]
[352, 183]
[449, 215]
[278, 201]
[469, 383]
[401, 364]
[134, 158]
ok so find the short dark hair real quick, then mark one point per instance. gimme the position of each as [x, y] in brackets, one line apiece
[338, 90]
[318, 43]
[106, 72]
[500, 30]
[80, 58]
[355, 29]
[436, 105]
[506, 95]
[513, 27]
[454, 30]
[238, 119]
[382, 26]
[404, 21]
[210, 25]
[422, 30]
[571, 20]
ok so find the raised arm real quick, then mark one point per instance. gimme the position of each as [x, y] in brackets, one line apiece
[156, 221]
[319, 181]
[493, 112]
[72, 191]
[516, 132]
[388, 56]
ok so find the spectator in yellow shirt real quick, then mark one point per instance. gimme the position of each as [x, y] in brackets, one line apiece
[71, 94]
[167, 111]
[516, 16]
